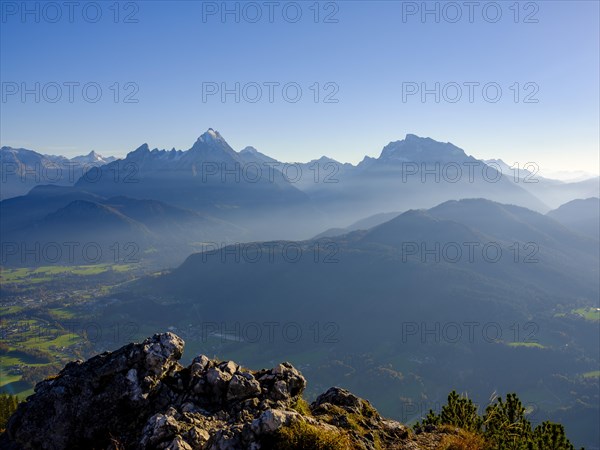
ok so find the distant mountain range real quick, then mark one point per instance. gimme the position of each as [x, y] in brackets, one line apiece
[126, 230]
[253, 196]
[580, 215]
[558, 262]
[24, 169]
[551, 192]
[413, 159]
[362, 224]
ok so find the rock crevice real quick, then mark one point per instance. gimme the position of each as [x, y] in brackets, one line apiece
[140, 397]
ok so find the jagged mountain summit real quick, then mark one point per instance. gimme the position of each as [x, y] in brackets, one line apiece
[140, 397]
[210, 176]
[418, 149]
[418, 172]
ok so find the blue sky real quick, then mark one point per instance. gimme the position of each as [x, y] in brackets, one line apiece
[367, 55]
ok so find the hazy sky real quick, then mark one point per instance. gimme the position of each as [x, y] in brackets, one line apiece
[370, 60]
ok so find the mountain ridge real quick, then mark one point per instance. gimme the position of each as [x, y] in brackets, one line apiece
[23, 169]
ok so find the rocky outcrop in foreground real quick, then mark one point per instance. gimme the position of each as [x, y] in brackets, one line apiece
[140, 397]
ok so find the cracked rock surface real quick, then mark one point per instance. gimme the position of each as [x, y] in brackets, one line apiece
[140, 397]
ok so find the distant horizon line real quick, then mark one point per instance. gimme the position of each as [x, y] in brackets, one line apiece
[571, 175]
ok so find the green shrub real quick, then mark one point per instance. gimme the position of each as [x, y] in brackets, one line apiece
[460, 412]
[505, 423]
[8, 405]
[503, 426]
[550, 436]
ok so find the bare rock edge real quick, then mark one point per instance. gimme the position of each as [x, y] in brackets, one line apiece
[140, 397]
